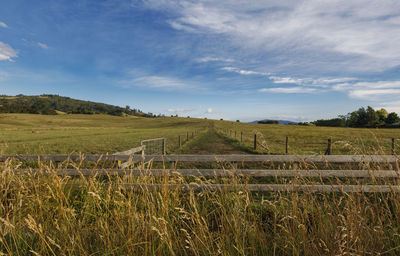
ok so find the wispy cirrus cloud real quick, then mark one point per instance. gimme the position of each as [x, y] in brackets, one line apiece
[285, 80]
[43, 45]
[312, 34]
[315, 82]
[295, 89]
[155, 82]
[375, 91]
[3, 25]
[7, 52]
[244, 72]
[179, 110]
[213, 59]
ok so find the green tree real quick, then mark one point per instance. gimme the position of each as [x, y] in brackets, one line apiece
[372, 117]
[392, 118]
[382, 116]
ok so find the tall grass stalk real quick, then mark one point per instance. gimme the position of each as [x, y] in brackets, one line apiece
[42, 213]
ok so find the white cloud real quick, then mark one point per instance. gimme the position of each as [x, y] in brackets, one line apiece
[376, 91]
[297, 89]
[157, 82]
[3, 25]
[328, 35]
[244, 72]
[179, 110]
[43, 46]
[285, 80]
[6, 52]
[214, 59]
[334, 80]
[209, 111]
[393, 106]
[373, 93]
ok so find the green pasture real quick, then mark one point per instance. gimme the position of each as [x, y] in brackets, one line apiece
[310, 139]
[41, 134]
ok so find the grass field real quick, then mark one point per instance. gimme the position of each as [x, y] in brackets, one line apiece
[42, 213]
[34, 134]
[311, 140]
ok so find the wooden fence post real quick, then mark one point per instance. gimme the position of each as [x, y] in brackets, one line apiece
[187, 136]
[392, 146]
[192, 135]
[235, 134]
[287, 142]
[328, 150]
[241, 136]
[163, 146]
[255, 141]
[179, 140]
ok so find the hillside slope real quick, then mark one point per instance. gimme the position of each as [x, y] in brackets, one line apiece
[53, 104]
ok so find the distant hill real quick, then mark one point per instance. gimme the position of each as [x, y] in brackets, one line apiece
[279, 121]
[55, 104]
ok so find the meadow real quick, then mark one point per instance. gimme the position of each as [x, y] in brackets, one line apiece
[311, 139]
[90, 134]
[44, 213]
[64, 134]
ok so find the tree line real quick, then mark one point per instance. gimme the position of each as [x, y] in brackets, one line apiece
[363, 117]
[47, 104]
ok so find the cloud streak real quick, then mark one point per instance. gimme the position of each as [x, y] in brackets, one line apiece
[161, 83]
[296, 89]
[6, 52]
[42, 45]
[213, 59]
[244, 72]
[336, 34]
[3, 25]
[375, 91]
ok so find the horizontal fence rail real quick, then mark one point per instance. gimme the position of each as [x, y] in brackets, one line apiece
[306, 188]
[270, 188]
[221, 173]
[211, 158]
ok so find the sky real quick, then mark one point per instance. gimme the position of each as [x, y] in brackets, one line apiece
[237, 60]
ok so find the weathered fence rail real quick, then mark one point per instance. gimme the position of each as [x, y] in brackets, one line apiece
[212, 158]
[271, 188]
[312, 188]
[221, 173]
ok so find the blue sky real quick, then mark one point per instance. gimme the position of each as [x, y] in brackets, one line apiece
[247, 60]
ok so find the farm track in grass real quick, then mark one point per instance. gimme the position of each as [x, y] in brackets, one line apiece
[213, 143]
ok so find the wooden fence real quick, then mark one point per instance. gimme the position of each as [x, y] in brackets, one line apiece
[393, 174]
[391, 159]
[256, 141]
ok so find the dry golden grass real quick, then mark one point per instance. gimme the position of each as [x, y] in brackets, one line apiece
[42, 213]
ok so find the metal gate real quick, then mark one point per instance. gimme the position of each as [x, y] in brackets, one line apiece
[155, 146]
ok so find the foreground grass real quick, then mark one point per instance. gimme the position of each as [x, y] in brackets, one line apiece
[44, 214]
